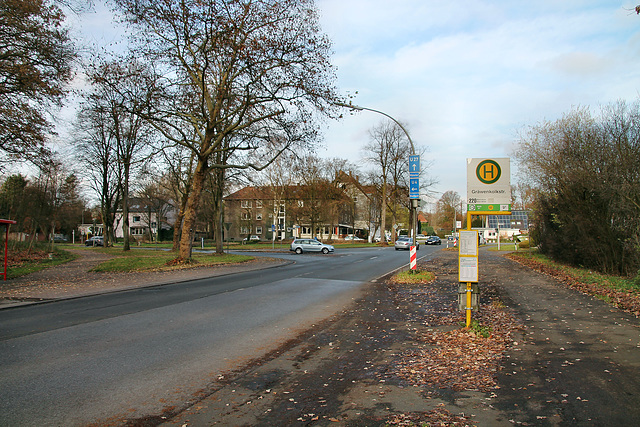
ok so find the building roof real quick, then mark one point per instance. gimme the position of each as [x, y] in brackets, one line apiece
[249, 193]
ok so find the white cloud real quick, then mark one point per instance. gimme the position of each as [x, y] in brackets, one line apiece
[466, 77]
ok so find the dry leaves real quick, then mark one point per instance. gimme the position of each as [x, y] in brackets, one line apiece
[436, 417]
[17, 257]
[628, 301]
[461, 359]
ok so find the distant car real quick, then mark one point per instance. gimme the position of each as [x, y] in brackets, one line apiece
[252, 238]
[310, 245]
[433, 240]
[94, 241]
[59, 238]
[404, 242]
[353, 238]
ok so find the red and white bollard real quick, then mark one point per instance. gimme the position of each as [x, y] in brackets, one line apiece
[412, 257]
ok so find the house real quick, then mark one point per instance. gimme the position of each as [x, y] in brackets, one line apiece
[145, 220]
[326, 209]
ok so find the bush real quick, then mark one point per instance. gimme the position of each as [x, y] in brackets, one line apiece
[636, 280]
[583, 169]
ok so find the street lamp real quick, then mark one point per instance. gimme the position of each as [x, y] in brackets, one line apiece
[414, 202]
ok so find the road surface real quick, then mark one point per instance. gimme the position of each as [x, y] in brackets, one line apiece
[137, 352]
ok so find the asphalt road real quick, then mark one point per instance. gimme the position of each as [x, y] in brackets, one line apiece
[136, 352]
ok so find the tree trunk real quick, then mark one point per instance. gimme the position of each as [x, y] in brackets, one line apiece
[383, 212]
[177, 226]
[125, 220]
[220, 226]
[218, 210]
[191, 211]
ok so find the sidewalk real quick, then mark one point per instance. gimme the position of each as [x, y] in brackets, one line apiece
[74, 279]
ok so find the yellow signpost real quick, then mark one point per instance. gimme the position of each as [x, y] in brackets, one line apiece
[488, 193]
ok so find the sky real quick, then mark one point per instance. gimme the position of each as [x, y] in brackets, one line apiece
[465, 77]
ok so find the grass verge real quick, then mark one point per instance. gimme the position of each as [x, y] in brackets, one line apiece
[23, 259]
[409, 277]
[619, 291]
[150, 260]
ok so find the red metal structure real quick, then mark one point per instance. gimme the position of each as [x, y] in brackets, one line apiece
[6, 223]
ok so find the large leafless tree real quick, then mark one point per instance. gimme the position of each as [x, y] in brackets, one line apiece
[245, 75]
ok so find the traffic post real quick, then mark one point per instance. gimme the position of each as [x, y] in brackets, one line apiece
[412, 258]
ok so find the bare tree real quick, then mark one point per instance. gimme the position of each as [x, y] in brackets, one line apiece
[241, 74]
[123, 90]
[98, 153]
[388, 151]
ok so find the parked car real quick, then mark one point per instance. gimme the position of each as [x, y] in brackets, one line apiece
[252, 238]
[310, 245]
[94, 241]
[404, 242]
[353, 238]
[59, 238]
[433, 240]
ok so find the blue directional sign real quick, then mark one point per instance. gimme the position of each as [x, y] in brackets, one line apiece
[414, 165]
[414, 174]
[414, 188]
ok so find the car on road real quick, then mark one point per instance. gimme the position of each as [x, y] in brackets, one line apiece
[353, 238]
[252, 238]
[433, 240]
[404, 242]
[310, 245]
[94, 241]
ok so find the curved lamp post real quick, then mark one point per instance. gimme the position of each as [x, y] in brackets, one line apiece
[414, 202]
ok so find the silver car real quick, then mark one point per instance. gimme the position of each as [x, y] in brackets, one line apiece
[405, 243]
[310, 245]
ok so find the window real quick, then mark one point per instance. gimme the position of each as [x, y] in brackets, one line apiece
[258, 203]
[301, 203]
[259, 216]
[258, 231]
[136, 231]
[244, 230]
[136, 218]
[246, 215]
[245, 203]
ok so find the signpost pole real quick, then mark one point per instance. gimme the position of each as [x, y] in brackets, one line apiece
[469, 308]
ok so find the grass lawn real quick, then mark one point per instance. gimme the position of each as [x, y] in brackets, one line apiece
[150, 259]
[508, 247]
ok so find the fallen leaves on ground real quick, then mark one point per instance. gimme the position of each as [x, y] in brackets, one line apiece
[436, 417]
[461, 359]
[16, 258]
[627, 300]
